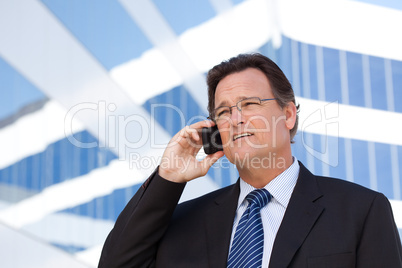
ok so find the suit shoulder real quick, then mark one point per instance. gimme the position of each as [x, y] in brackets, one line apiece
[206, 198]
[348, 198]
[198, 206]
[335, 188]
[192, 210]
[340, 186]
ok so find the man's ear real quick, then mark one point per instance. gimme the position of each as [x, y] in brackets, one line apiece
[290, 113]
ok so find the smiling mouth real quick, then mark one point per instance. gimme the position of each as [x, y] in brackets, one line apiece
[242, 135]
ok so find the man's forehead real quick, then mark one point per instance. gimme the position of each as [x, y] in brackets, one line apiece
[250, 82]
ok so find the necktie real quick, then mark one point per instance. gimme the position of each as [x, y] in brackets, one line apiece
[248, 241]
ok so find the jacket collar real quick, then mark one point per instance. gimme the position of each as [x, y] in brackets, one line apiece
[219, 224]
[299, 218]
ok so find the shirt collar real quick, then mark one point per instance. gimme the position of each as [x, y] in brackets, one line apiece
[281, 187]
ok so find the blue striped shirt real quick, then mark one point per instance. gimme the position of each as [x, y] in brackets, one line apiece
[281, 188]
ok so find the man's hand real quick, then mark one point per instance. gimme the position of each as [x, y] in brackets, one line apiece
[179, 163]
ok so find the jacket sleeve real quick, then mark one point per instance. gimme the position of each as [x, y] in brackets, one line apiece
[134, 239]
[380, 244]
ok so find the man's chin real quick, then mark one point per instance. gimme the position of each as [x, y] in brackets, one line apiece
[242, 157]
[257, 159]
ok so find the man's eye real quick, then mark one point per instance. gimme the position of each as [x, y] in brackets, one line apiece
[223, 112]
[248, 103]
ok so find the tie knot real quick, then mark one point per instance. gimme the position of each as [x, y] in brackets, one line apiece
[259, 197]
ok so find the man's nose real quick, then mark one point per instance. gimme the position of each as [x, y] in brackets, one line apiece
[236, 117]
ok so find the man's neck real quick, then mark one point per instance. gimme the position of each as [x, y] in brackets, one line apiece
[260, 175]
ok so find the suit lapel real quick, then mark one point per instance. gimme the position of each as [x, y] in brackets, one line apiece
[299, 218]
[219, 223]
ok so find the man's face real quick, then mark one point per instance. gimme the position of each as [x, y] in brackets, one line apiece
[264, 129]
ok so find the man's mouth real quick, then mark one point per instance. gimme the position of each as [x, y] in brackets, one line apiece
[241, 135]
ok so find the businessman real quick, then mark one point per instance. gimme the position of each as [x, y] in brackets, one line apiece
[276, 215]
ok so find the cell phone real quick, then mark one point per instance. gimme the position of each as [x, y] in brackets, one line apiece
[211, 139]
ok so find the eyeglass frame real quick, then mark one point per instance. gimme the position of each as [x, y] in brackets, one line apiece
[236, 105]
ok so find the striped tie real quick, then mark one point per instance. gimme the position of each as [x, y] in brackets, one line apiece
[248, 242]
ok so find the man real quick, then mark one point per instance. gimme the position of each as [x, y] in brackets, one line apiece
[309, 221]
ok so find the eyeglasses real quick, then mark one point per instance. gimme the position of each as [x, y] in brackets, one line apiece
[244, 106]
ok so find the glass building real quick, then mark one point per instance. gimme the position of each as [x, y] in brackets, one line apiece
[92, 91]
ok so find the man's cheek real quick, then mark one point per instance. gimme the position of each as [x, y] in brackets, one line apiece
[225, 136]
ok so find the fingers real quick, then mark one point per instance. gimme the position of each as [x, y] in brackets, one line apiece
[194, 128]
[201, 124]
[192, 131]
[188, 140]
[188, 132]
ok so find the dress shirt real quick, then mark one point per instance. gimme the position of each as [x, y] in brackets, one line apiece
[281, 189]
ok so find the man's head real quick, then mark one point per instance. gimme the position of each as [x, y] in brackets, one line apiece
[268, 126]
[281, 87]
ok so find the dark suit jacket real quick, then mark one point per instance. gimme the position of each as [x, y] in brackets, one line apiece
[328, 223]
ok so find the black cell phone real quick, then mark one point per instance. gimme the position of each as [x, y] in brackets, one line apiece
[211, 139]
